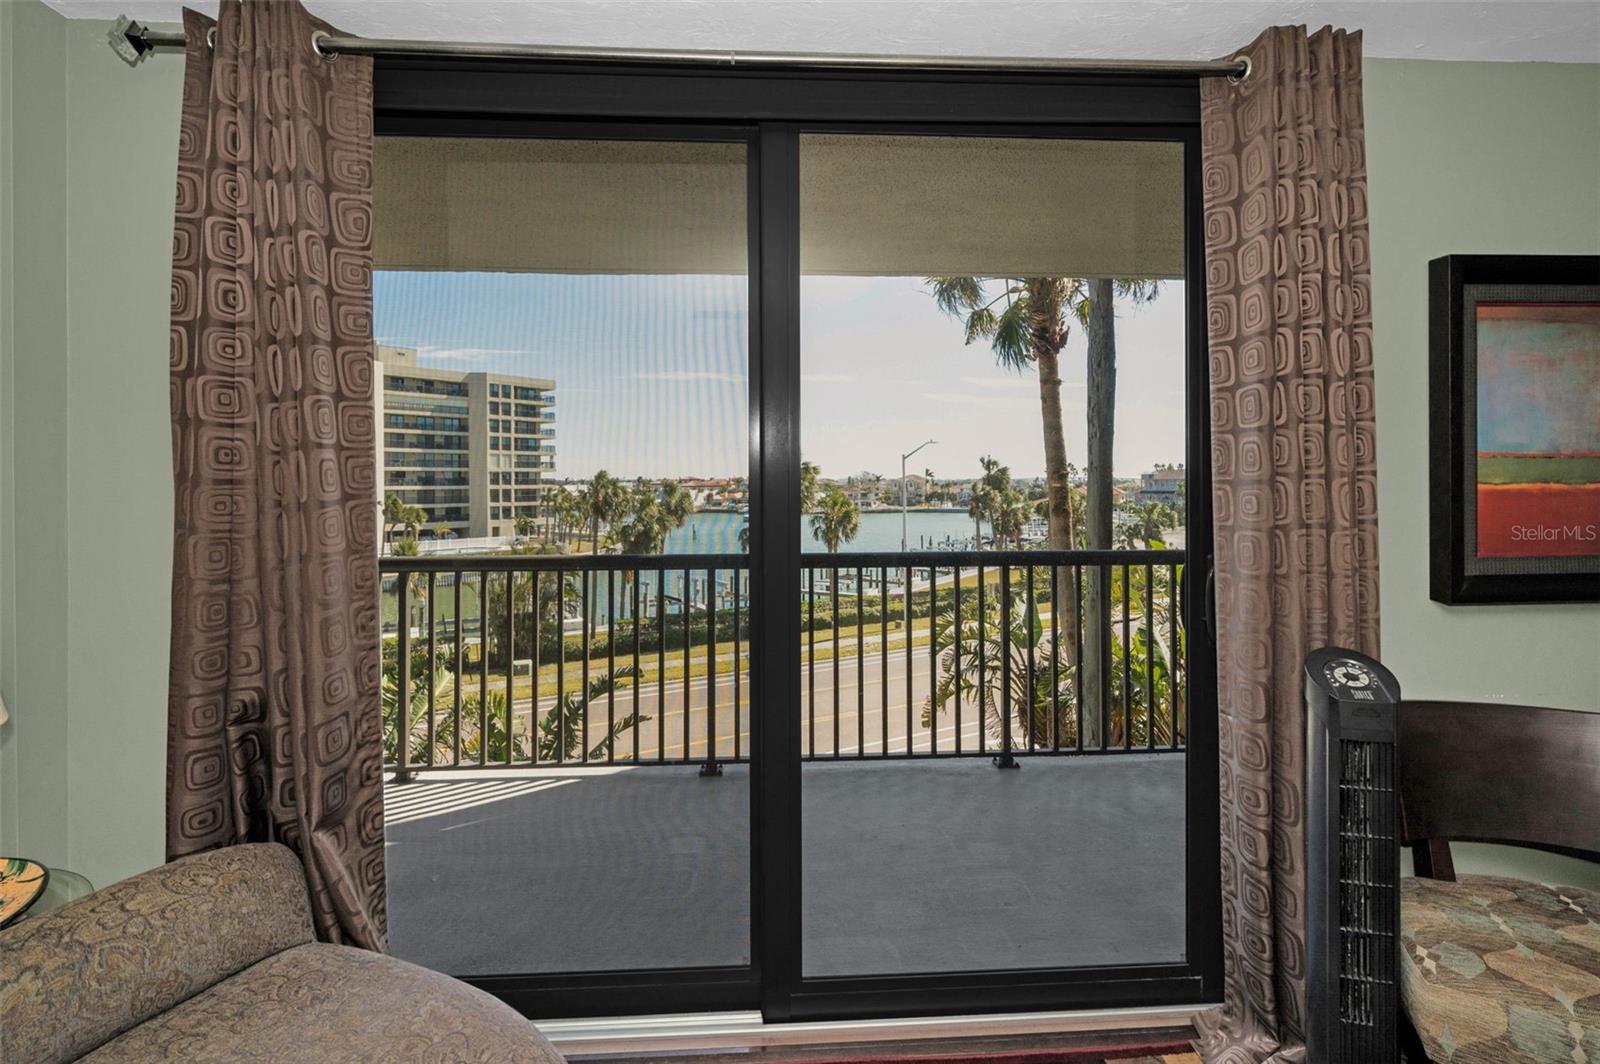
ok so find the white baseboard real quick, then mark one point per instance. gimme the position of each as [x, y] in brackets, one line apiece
[745, 1030]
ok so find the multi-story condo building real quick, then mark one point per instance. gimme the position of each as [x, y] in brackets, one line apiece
[474, 450]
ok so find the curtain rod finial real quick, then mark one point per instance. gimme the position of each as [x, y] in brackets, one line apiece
[127, 39]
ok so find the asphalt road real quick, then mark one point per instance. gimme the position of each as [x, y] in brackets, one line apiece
[852, 711]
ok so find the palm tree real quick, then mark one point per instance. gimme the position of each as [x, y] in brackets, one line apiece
[972, 648]
[987, 492]
[523, 525]
[436, 691]
[676, 502]
[561, 733]
[1026, 321]
[1009, 515]
[393, 515]
[412, 518]
[809, 473]
[570, 512]
[837, 519]
[603, 502]
[1148, 522]
[442, 531]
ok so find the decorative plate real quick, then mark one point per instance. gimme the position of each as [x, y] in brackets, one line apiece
[21, 883]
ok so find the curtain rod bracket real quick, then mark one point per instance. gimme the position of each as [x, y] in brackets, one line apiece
[130, 40]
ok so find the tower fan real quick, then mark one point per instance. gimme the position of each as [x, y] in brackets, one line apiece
[1352, 859]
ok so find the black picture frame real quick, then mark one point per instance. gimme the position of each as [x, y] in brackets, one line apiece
[1458, 575]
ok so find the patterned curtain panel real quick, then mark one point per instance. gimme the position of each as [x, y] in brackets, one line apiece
[1290, 330]
[274, 728]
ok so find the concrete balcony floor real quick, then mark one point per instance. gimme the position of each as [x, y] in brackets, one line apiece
[908, 866]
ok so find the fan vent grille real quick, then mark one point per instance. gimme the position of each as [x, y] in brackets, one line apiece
[1368, 900]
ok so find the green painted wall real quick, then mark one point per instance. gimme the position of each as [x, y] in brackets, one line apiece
[1462, 157]
[85, 458]
[35, 677]
[8, 772]
[1471, 158]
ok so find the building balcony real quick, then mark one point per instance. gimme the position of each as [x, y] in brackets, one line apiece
[607, 716]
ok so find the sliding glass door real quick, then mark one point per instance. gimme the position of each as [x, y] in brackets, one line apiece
[993, 425]
[562, 382]
[796, 538]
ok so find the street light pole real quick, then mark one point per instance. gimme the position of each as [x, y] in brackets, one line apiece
[903, 458]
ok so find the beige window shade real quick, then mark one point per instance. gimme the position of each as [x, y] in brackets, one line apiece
[873, 206]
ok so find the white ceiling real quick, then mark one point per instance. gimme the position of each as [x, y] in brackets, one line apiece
[1566, 31]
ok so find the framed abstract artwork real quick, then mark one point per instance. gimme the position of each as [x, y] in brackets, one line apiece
[1514, 428]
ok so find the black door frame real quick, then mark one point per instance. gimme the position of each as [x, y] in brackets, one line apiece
[768, 111]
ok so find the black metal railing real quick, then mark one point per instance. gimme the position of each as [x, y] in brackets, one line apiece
[539, 661]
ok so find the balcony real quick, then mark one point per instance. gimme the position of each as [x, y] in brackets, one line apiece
[600, 713]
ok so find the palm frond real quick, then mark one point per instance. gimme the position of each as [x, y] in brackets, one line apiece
[956, 295]
[1137, 289]
[1013, 345]
[981, 324]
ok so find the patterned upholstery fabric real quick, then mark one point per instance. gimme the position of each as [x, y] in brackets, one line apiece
[211, 958]
[76, 977]
[1501, 971]
[319, 1003]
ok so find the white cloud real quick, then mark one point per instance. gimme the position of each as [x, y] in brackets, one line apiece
[1022, 383]
[983, 402]
[470, 354]
[689, 376]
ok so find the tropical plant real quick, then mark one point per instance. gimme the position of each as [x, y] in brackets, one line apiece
[406, 547]
[971, 668]
[561, 733]
[604, 502]
[524, 526]
[437, 690]
[809, 472]
[1150, 708]
[569, 512]
[412, 519]
[987, 493]
[393, 515]
[836, 520]
[1009, 513]
[1144, 524]
[486, 732]
[443, 531]
[1026, 321]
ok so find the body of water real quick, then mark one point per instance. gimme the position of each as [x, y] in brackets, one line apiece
[718, 533]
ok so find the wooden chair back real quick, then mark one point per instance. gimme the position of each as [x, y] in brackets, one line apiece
[1486, 772]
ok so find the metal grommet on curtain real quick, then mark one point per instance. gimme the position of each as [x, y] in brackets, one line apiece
[1234, 79]
[317, 37]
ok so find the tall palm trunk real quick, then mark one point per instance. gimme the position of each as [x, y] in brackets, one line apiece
[1047, 338]
[1100, 331]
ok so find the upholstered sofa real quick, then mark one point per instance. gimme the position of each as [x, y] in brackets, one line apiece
[1496, 970]
[212, 959]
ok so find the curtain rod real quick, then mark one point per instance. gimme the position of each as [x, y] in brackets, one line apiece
[133, 41]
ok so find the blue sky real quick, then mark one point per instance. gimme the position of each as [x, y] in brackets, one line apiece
[651, 380]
